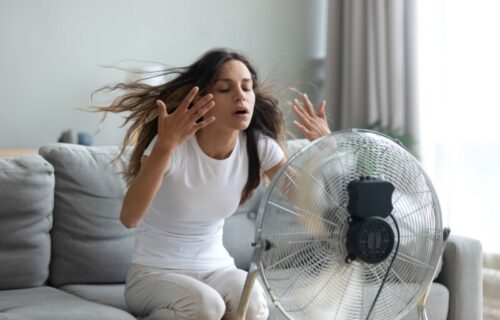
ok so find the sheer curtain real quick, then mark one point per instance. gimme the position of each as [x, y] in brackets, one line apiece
[459, 69]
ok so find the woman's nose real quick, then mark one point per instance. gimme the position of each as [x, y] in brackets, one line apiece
[239, 95]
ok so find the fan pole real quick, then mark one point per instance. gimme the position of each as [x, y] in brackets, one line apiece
[250, 280]
[422, 314]
[247, 289]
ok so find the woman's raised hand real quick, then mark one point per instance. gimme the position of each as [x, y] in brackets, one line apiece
[313, 124]
[177, 127]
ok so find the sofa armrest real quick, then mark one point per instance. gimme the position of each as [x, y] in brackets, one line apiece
[462, 275]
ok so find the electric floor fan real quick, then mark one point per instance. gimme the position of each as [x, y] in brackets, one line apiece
[350, 228]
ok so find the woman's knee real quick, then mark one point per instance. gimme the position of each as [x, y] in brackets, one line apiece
[209, 306]
[200, 305]
[172, 293]
[230, 284]
[257, 306]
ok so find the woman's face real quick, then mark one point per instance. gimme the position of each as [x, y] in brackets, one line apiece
[233, 96]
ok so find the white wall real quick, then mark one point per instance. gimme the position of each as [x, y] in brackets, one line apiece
[51, 52]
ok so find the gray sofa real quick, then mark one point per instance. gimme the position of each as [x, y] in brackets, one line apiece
[65, 255]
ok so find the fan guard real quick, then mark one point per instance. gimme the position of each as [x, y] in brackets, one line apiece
[304, 217]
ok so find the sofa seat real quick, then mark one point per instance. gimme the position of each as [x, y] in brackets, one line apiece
[437, 303]
[108, 294]
[47, 303]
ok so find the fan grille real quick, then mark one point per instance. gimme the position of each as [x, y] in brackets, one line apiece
[304, 215]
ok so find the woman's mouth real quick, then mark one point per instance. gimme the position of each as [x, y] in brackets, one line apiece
[240, 112]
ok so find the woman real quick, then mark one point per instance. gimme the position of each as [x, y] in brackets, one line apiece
[202, 141]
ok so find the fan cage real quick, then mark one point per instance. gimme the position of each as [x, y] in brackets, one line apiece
[304, 215]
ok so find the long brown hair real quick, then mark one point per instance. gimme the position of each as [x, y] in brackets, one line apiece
[140, 101]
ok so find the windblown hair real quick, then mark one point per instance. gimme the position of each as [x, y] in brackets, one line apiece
[140, 101]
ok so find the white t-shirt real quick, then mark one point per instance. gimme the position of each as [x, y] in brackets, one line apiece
[183, 227]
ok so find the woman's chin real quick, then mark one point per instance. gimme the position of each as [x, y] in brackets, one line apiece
[244, 126]
[240, 125]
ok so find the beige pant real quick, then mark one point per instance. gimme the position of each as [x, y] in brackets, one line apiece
[164, 294]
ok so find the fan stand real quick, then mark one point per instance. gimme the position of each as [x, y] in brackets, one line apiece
[260, 246]
[245, 296]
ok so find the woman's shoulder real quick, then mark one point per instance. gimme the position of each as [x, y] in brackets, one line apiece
[263, 139]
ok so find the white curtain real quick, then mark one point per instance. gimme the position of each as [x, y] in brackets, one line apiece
[370, 69]
[459, 65]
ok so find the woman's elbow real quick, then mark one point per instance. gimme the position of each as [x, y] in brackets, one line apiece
[129, 225]
[127, 222]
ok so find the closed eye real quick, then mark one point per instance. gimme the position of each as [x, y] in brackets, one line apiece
[225, 90]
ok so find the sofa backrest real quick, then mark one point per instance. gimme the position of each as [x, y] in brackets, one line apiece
[89, 244]
[26, 203]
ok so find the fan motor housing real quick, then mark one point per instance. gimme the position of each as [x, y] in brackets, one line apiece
[370, 197]
[371, 240]
[369, 237]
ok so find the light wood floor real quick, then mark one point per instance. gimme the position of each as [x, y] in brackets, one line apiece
[16, 152]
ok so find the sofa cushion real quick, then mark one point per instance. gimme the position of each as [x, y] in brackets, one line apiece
[437, 304]
[108, 294]
[26, 203]
[47, 303]
[296, 145]
[90, 245]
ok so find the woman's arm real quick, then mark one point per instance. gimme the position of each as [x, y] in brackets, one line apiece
[274, 170]
[144, 187]
[173, 130]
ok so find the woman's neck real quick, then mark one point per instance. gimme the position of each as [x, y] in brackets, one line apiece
[217, 144]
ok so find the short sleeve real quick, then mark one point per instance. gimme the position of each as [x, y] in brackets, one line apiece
[270, 152]
[149, 149]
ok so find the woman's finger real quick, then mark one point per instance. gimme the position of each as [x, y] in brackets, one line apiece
[308, 105]
[301, 113]
[200, 112]
[203, 123]
[189, 98]
[321, 109]
[301, 127]
[298, 108]
[202, 103]
[162, 109]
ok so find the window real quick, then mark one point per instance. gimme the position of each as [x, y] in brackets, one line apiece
[459, 98]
